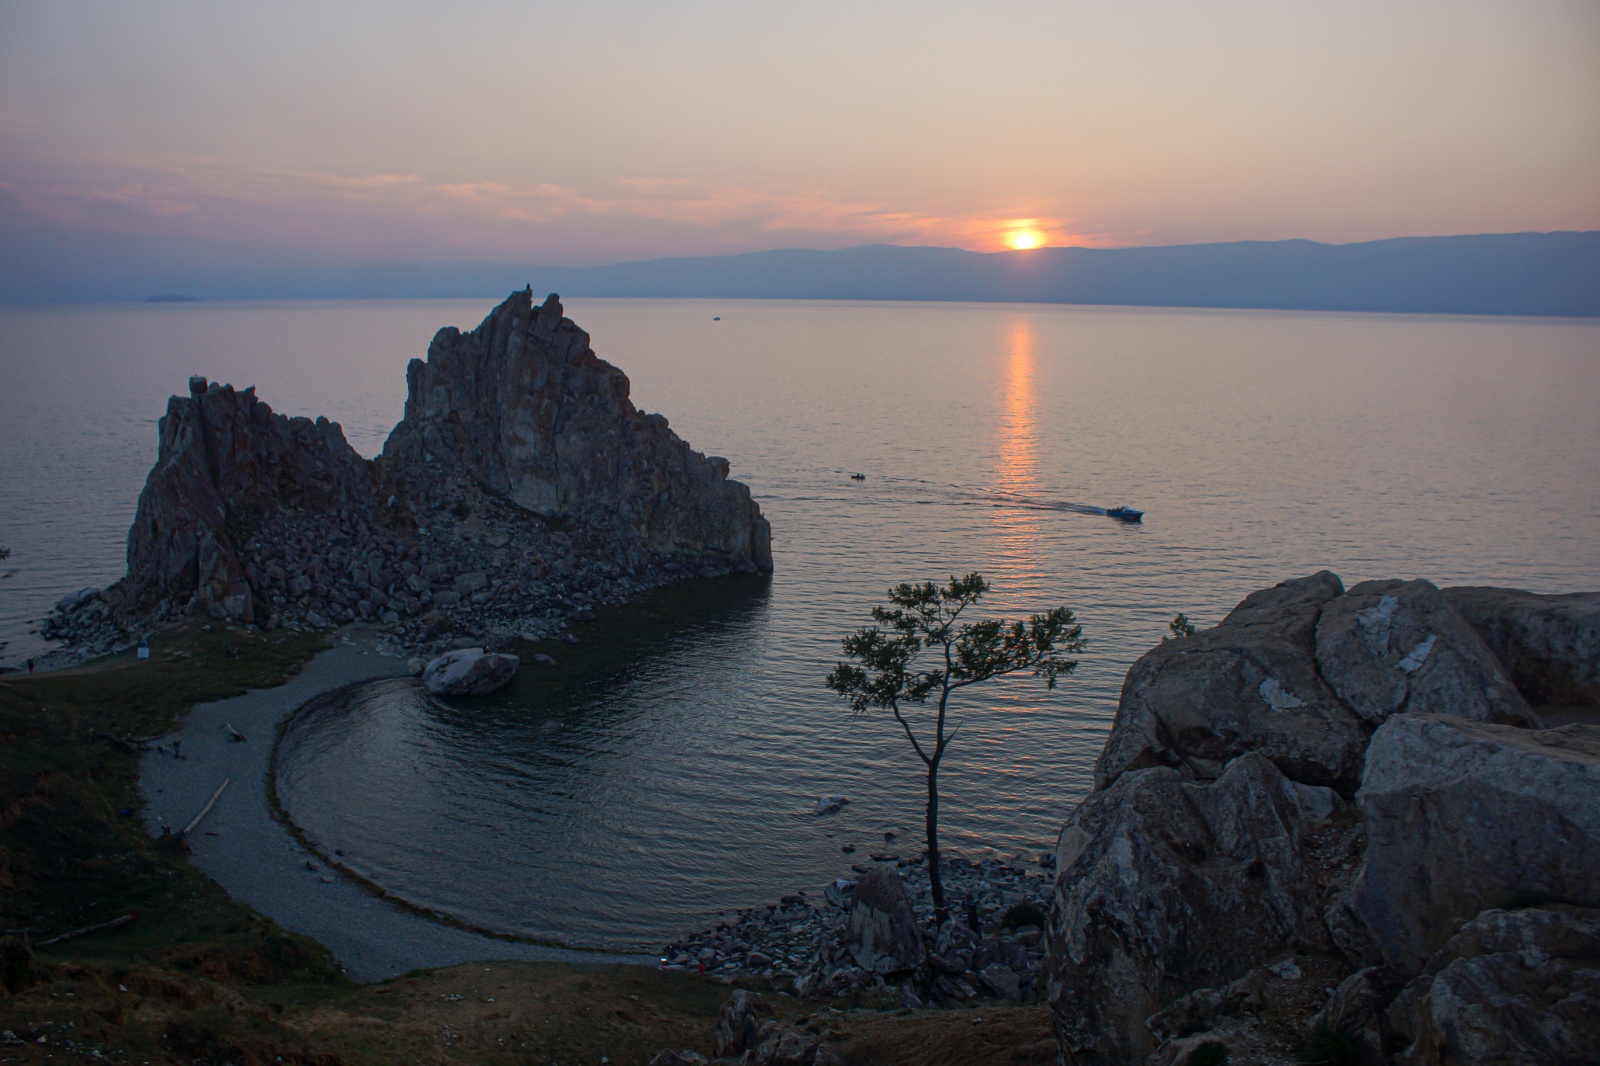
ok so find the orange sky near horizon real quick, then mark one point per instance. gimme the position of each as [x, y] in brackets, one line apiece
[619, 130]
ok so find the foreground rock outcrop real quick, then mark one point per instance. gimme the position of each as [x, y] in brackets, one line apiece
[1337, 814]
[1550, 645]
[1170, 885]
[1250, 684]
[1510, 988]
[1461, 815]
[521, 489]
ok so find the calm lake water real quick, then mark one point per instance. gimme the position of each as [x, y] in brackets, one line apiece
[664, 770]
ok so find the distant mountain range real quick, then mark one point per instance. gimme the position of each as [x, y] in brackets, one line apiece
[1489, 274]
[1498, 274]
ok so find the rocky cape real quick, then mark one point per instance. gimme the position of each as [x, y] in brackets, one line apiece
[521, 489]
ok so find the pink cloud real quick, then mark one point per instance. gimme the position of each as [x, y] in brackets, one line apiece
[409, 216]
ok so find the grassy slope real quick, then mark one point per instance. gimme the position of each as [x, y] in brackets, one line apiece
[200, 978]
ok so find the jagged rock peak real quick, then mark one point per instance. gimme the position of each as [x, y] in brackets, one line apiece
[523, 407]
[225, 463]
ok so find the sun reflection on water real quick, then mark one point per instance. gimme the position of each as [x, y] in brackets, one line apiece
[1018, 474]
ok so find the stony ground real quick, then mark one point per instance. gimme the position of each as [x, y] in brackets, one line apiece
[799, 943]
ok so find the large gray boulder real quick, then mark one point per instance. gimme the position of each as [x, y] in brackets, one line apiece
[1462, 816]
[1550, 645]
[469, 672]
[1167, 885]
[523, 407]
[1391, 646]
[1512, 988]
[1249, 685]
[882, 934]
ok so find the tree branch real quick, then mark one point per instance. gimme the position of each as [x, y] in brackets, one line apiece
[909, 734]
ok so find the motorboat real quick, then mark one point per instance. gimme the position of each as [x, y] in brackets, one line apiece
[858, 477]
[1127, 514]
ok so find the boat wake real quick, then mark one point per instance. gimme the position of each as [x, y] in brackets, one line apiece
[969, 494]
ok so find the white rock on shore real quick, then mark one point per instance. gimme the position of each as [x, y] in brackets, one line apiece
[469, 672]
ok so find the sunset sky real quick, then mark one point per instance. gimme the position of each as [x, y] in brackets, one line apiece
[330, 134]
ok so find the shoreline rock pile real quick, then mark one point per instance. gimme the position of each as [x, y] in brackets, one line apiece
[1340, 814]
[521, 490]
[856, 939]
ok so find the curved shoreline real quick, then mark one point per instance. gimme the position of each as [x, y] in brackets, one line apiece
[246, 849]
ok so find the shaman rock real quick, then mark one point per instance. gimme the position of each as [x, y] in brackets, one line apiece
[520, 470]
[523, 407]
[1463, 816]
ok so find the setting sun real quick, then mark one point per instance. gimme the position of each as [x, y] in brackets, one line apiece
[1023, 239]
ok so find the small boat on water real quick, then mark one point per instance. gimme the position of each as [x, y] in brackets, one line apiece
[1127, 514]
[858, 477]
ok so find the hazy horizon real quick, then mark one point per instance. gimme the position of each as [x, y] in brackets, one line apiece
[1528, 274]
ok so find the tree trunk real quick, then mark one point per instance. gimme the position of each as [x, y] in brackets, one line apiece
[941, 912]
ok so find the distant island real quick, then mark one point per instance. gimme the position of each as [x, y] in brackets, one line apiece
[172, 298]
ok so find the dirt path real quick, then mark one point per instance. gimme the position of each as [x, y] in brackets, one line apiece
[244, 849]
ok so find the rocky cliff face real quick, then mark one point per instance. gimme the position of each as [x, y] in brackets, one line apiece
[1218, 882]
[226, 464]
[524, 407]
[521, 490]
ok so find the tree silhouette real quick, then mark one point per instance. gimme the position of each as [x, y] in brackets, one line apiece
[887, 671]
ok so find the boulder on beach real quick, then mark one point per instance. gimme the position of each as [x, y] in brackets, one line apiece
[883, 933]
[469, 672]
[738, 1022]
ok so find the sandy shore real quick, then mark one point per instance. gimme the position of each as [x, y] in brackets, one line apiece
[244, 849]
